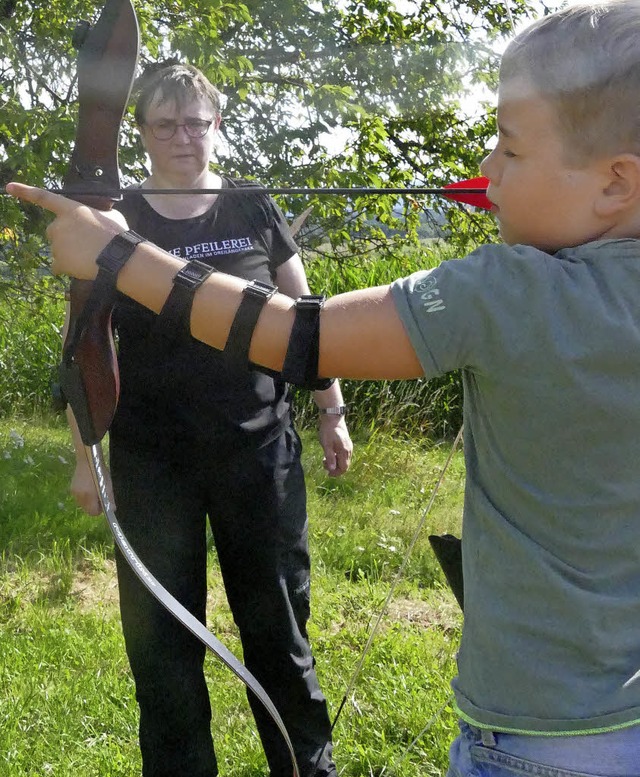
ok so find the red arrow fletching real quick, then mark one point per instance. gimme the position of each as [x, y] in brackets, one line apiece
[479, 199]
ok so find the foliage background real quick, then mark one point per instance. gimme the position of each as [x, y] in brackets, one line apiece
[332, 93]
[320, 93]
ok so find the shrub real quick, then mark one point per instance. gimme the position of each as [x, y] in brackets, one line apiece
[30, 332]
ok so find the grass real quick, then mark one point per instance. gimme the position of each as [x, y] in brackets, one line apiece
[67, 702]
[30, 343]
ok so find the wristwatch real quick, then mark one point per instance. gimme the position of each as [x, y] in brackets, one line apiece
[337, 410]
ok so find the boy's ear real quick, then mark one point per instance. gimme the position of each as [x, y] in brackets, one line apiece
[622, 185]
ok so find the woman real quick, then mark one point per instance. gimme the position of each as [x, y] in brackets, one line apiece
[199, 433]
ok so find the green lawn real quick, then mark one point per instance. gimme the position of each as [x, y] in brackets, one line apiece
[66, 699]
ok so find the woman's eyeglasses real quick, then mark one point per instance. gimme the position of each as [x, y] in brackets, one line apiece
[167, 128]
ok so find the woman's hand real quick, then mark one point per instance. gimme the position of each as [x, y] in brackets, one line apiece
[336, 444]
[84, 491]
[77, 234]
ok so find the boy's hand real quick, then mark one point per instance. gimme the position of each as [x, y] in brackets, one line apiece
[78, 233]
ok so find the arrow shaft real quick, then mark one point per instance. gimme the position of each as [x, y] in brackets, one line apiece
[342, 191]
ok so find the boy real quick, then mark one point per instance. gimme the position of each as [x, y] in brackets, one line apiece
[547, 331]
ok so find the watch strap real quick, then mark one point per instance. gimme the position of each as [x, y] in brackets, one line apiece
[337, 410]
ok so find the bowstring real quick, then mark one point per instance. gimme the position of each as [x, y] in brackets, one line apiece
[436, 715]
[396, 580]
[427, 727]
[392, 589]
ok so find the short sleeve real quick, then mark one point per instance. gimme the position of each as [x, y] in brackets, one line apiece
[470, 313]
[283, 246]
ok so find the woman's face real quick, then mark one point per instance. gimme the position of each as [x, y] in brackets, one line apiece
[170, 137]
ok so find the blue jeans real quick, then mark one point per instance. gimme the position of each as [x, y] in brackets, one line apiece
[485, 754]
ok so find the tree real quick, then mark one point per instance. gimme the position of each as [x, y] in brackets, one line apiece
[297, 74]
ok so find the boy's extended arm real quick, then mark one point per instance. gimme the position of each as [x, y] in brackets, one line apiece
[361, 335]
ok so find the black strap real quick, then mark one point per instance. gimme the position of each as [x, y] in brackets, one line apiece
[255, 295]
[174, 320]
[110, 261]
[301, 362]
[71, 385]
[117, 253]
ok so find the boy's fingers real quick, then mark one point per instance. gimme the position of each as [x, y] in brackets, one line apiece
[56, 203]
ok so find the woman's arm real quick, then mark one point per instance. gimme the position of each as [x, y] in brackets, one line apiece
[333, 432]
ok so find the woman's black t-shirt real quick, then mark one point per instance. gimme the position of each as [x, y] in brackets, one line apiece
[182, 394]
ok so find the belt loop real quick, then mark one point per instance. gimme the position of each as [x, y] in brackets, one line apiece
[488, 737]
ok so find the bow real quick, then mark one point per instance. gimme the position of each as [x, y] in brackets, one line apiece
[106, 65]
[108, 54]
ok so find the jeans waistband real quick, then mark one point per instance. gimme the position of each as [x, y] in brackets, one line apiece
[607, 753]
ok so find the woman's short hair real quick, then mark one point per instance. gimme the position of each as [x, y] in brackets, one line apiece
[174, 83]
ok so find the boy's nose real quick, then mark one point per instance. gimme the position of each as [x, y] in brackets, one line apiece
[489, 168]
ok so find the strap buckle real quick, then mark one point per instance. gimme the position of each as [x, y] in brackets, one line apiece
[193, 274]
[311, 302]
[114, 255]
[260, 289]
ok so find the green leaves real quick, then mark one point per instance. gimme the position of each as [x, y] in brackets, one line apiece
[339, 93]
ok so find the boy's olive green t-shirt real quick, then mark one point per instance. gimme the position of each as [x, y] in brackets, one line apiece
[550, 352]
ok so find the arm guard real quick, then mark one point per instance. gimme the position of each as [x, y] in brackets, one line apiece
[301, 362]
[174, 320]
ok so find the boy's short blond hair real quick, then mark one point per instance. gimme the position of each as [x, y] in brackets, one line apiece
[585, 60]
